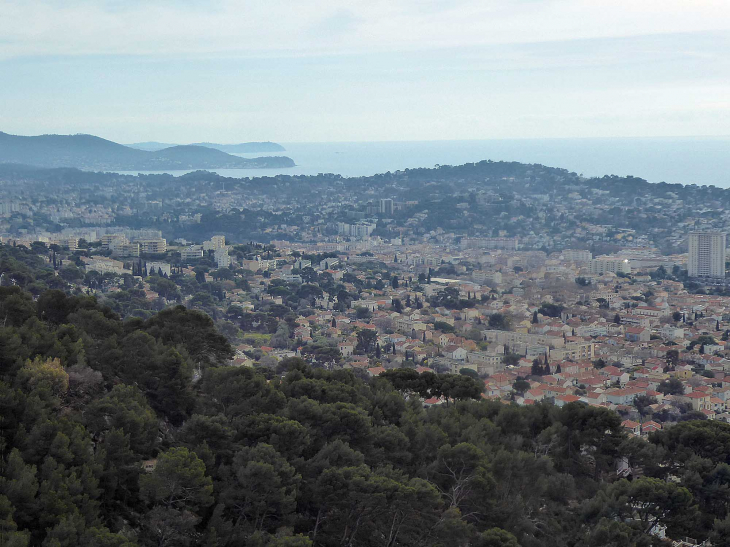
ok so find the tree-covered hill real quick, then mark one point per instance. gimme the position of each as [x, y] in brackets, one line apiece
[240, 148]
[90, 152]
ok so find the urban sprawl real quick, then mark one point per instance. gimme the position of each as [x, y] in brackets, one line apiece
[520, 280]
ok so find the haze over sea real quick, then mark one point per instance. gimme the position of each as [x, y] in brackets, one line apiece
[685, 160]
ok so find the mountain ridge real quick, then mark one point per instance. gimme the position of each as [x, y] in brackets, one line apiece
[90, 152]
[240, 148]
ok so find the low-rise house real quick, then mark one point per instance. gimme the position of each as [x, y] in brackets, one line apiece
[634, 428]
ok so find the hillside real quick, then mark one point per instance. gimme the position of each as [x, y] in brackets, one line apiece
[90, 152]
[241, 148]
[245, 147]
[109, 440]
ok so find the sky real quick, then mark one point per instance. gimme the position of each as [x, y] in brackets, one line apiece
[382, 70]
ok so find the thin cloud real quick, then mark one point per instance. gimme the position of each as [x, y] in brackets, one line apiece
[318, 27]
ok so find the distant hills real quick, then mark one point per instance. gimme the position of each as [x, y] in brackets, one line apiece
[90, 152]
[242, 148]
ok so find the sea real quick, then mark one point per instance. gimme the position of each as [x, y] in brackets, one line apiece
[684, 160]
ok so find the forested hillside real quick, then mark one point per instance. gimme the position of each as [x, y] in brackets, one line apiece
[121, 433]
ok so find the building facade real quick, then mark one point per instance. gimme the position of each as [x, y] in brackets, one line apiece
[386, 206]
[707, 254]
[600, 266]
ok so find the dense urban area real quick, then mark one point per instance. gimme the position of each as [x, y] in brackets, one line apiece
[494, 354]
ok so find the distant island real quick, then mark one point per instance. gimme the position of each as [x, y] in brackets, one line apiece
[241, 148]
[94, 153]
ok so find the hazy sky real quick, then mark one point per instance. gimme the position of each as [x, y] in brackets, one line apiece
[339, 70]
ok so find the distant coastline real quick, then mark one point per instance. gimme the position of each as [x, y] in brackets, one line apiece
[683, 160]
[89, 152]
[241, 148]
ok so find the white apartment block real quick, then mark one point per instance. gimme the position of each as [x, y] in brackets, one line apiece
[386, 206]
[575, 351]
[215, 243]
[301, 264]
[328, 263]
[191, 253]
[511, 339]
[104, 265]
[222, 259]
[506, 243]
[490, 278]
[71, 242]
[577, 255]
[361, 229]
[153, 245]
[158, 268]
[486, 363]
[258, 264]
[602, 265]
[706, 254]
[108, 240]
[122, 247]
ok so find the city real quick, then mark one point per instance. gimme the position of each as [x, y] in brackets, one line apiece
[365, 274]
[637, 330]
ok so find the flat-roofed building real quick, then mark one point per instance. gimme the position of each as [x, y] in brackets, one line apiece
[153, 245]
[706, 254]
[602, 265]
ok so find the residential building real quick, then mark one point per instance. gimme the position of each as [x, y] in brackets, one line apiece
[505, 243]
[216, 242]
[576, 255]
[607, 264]
[152, 245]
[109, 239]
[121, 247]
[222, 259]
[191, 253]
[158, 268]
[301, 264]
[361, 229]
[103, 265]
[706, 254]
[574, 351]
